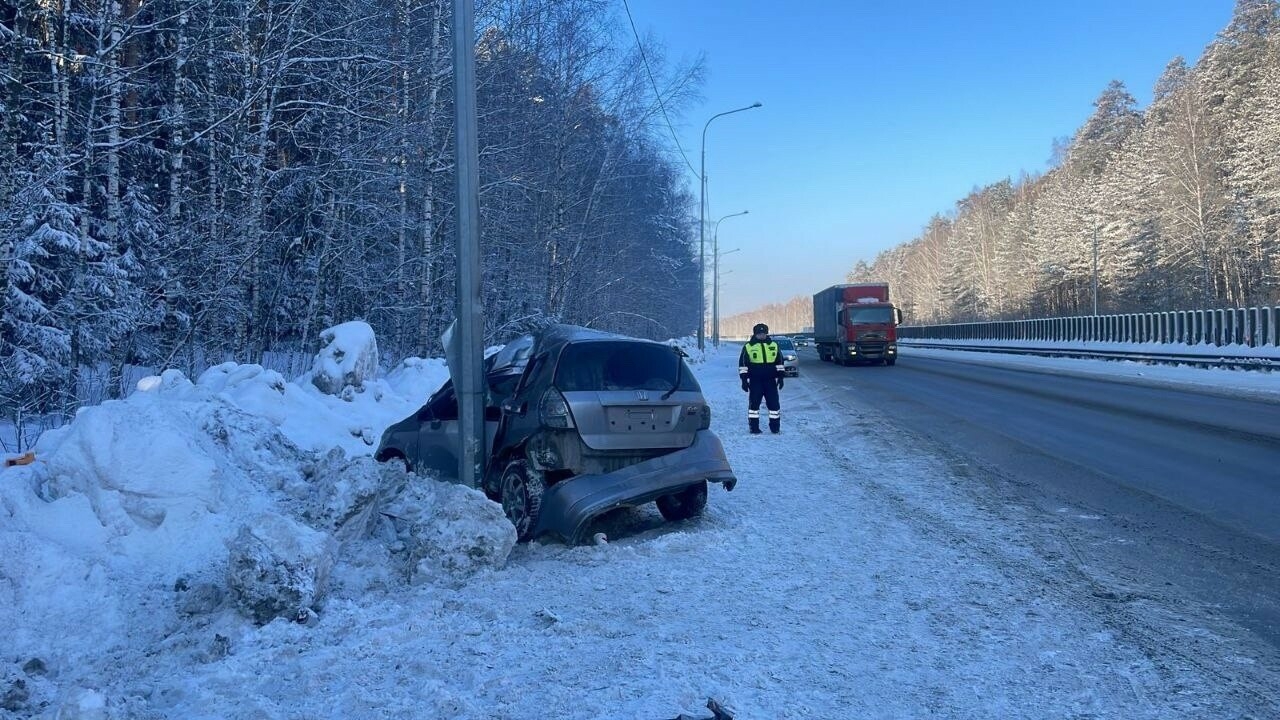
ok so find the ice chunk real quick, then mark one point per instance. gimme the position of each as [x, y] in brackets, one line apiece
[448, 532]
[279, 567]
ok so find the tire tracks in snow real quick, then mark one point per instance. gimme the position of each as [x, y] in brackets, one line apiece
[1051, 563]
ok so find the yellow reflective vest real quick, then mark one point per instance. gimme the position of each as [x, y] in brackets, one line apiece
[760, 360]
[765, 352]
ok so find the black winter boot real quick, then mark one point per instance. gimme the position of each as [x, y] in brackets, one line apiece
[775, 425]
[754, 424]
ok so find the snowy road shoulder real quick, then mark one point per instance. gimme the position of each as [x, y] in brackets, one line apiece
[1236, 383]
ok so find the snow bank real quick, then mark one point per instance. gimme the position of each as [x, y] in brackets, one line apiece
[341, 494]
[160, 529]
[417, 378]
[317, 421]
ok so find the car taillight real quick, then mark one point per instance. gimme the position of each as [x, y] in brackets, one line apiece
[706, 417]
[554, 410]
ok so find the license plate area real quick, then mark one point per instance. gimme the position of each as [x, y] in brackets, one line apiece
[640, 419]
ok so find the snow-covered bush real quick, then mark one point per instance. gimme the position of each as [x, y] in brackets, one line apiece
[279, 568]
[348, 358]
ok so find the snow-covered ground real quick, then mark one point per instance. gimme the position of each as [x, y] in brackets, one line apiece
[846, 576]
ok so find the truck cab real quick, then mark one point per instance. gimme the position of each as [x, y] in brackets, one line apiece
[870, 331]
[856, 323]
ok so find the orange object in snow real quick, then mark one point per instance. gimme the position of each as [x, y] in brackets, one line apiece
[25, 459]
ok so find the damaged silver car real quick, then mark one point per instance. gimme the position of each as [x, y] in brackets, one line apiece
[579, 422]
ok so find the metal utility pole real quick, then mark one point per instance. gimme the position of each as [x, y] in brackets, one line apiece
[468, 377]
[702, 228]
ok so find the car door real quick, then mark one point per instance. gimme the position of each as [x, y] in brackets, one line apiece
[440, 428]
[438, 433]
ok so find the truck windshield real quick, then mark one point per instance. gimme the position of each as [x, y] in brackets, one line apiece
[870, 315]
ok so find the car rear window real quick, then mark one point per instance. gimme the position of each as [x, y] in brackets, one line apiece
[622, 366]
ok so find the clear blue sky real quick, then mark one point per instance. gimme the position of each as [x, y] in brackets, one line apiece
[877, 115]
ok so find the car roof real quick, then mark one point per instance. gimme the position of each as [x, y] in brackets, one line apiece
[556, 336]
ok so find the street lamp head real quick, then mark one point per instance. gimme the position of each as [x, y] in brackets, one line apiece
[757, 104]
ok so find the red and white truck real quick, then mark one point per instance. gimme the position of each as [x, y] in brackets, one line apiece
[856, 323]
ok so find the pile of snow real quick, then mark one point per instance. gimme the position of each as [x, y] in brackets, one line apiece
[348, 358]
[175, 519]
[447, 533]
[279, 568]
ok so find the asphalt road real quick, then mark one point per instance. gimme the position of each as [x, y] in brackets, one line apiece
[1164, 494]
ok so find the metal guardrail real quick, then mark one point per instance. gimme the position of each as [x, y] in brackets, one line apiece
[1138, 355]
[1202, 333]
[1250, 327]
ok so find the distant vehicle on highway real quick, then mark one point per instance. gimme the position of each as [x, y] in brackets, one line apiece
[856, 323]
[790, 357]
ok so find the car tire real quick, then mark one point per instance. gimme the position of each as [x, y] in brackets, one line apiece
[521, 497]
[689, 502]
[891, 361]
[394, 455]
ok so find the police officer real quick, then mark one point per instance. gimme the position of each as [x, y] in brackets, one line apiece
[760, 367]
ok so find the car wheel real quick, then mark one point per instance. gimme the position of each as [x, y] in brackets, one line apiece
[522, 490]
[891, 361]
[688, 502]
[393, 456]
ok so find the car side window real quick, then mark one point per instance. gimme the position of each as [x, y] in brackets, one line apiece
[534, 364]
[443, 405]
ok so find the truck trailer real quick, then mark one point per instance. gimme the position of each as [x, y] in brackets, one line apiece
[856, 323]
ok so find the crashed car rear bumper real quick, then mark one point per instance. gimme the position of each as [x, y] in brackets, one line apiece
[569, 506]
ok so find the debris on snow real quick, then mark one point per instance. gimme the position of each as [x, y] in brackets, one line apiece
[16, 695]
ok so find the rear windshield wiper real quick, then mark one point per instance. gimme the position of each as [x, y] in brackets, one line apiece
[679, 367]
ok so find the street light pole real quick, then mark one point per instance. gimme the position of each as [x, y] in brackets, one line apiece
[702, 228]
[715, 278]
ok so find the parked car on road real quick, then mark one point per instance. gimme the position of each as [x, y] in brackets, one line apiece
[578, 422]
[790, 356]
